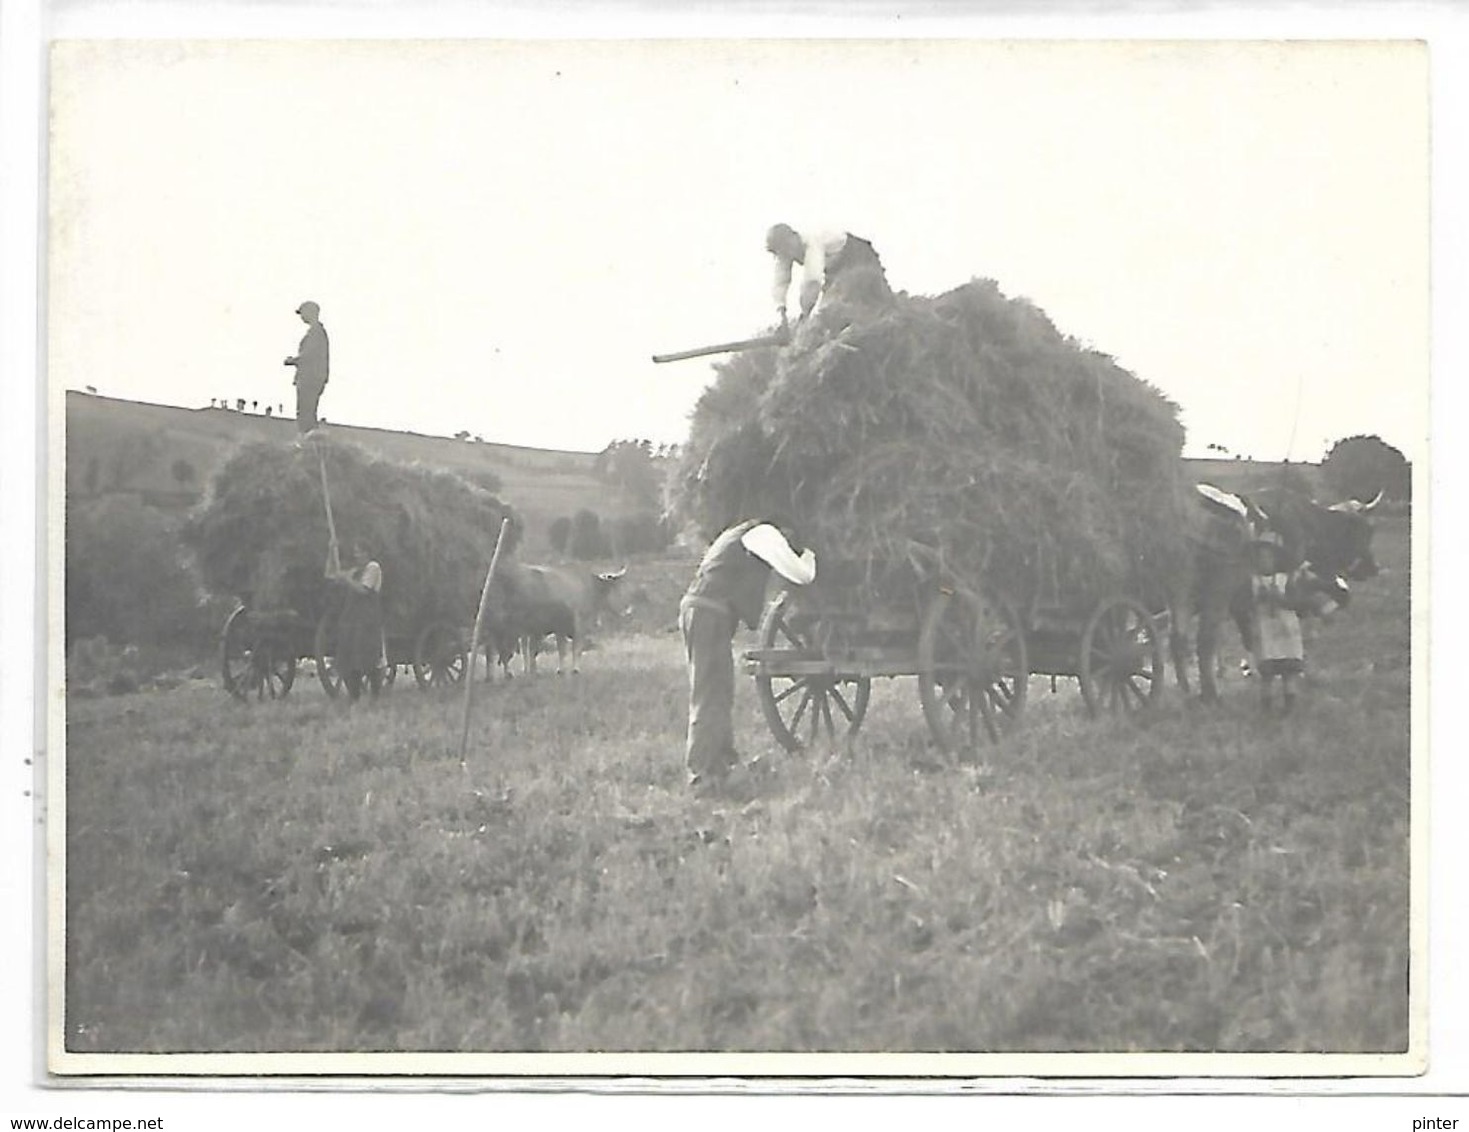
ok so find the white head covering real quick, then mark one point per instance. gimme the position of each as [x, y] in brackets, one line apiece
[766, 543]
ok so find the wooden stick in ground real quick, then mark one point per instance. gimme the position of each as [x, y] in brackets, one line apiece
[479, 620]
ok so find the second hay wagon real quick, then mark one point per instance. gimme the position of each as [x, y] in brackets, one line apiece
[261, 650]
[820, 648]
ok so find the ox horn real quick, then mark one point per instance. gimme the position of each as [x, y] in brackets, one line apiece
[1356, 506]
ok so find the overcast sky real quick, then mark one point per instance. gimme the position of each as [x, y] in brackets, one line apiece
[501, 234]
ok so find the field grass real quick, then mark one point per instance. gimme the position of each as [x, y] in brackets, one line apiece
[304, 877]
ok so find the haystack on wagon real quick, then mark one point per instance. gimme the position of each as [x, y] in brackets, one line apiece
[989, 501]
[261, 534]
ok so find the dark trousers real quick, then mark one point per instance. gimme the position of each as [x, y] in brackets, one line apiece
[708, 636]
[307, 396]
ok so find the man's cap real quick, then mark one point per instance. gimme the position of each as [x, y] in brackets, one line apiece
[308, 307]
[779, 234]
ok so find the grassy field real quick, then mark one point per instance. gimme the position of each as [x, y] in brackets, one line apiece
[303, 877]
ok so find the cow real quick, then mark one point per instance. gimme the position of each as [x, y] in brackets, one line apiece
[529, 602]
[1334, 544]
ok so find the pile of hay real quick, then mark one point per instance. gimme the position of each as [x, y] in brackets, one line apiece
[961, 434]
[261, 530]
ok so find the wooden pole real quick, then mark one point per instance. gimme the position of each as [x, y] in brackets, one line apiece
[479, 620]
[326, 495]
[724, 348]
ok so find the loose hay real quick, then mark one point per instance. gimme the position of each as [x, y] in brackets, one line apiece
[261, 532]
[960, 435]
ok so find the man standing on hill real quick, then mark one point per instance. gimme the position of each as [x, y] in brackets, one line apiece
[728, 588]
[312, 364]
[834, 265]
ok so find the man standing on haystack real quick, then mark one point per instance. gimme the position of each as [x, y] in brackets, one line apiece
[834, 266]
[729, 587]
[312, 362]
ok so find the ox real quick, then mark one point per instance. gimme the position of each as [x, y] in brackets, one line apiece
[1334, 542]
[535, 601]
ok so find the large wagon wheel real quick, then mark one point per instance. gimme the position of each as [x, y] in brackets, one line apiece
[972, 670]
[326, 668]
[439, 656]
[801, 709]
[1122, 667]
[252, 662]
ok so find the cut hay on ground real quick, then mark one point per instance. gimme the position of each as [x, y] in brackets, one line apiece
[261, 531]
[962, 434]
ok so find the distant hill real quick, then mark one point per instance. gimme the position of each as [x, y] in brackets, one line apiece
[1250, 475]
[167, 455]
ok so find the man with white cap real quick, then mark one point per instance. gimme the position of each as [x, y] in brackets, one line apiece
[729, 587]
[312, 362]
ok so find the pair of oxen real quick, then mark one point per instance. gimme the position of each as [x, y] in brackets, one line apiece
[1333, 542]
[529, 603]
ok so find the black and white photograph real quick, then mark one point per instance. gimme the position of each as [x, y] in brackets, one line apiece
[752, 557]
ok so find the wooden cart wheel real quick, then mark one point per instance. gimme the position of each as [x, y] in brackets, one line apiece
[1122, 666]
[800, 710]
[326, 669]
[236, 654]
[972, 671]
[253, 662]
[439, 658]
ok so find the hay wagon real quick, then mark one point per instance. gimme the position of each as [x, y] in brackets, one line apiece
[820, 648]
[261, 650]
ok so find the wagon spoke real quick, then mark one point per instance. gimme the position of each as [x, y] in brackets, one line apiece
[796, 686]
[841, 702]
[802, 706]
[797, 640]
[813, 722]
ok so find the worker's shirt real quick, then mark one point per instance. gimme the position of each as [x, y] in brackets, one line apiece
[733, 576]
[822, 248]
[313, 357]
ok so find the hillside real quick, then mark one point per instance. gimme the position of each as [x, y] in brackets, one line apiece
[166, 455]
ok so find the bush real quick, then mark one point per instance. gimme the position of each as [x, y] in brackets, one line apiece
[129, 577]
[560, 534]
[644, 532]
[1361, 466]
[586, 540]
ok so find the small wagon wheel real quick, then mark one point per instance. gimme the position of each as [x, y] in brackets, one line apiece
[972, 670]
[236, 653]
[439, 657]
[326, 669]
[801, 709]
[252, 661]
[1122, 667]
